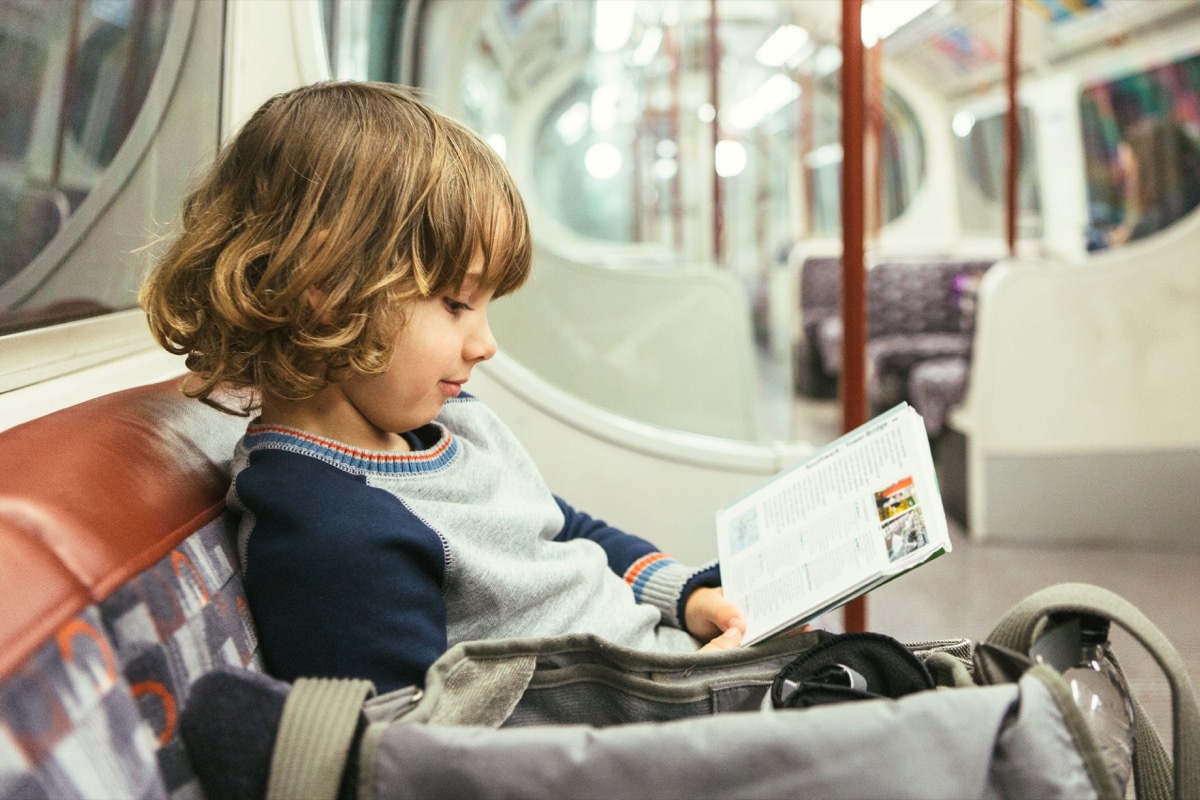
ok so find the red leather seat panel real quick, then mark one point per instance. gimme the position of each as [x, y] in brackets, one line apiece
[100, 491]
[40, 592]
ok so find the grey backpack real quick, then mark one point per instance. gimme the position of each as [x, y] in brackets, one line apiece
[575, 716]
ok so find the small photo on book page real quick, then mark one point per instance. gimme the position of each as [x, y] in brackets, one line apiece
[902, 519]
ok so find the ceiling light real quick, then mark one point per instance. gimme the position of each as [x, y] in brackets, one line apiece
[781, 45]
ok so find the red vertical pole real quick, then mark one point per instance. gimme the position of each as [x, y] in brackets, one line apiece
[672, 48]
[69, 89]
[854, 276]
[714, 57]
[804, 129]
[637, 171]
[873, 80]
[1012, 133]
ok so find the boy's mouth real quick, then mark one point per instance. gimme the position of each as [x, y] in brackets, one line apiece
[451, 388]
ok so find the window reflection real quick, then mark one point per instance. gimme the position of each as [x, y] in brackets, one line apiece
[587, 179]
[981, 156]
[360, 38]
[1141, 135]
[76, 75]
[628, 151]
[903, 157]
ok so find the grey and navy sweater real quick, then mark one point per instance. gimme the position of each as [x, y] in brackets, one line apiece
[370, 565]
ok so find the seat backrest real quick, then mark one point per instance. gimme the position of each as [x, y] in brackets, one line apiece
[909, 297]
[118, 588]
[820, 285]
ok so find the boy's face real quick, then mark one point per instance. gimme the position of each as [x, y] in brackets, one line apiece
[442, 339]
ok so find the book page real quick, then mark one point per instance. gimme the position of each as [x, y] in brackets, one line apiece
[863, 508]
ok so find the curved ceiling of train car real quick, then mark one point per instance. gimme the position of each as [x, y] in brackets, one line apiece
[959, 47]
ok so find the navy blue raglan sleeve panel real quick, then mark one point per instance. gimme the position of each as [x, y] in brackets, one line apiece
[622, 549]
[342, 579]
[654, 577]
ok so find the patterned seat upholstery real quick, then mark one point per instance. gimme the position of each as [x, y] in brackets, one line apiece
[935, 387]
[820, 303]
[829, 344]
[891, 359]
[820, 290]
[915, 314]
[119, 588]
[917, 311]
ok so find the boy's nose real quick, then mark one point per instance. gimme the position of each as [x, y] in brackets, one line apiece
[481, 345]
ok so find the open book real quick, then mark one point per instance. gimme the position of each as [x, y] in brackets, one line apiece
[849, 517]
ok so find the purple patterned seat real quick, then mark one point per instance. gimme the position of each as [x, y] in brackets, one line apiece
[828, 339]
[935, 387]
[820, 304]
[891, 359]
[917, 311]
[915, 314]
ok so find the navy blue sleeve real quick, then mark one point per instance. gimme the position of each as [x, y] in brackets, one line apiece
[622, 549]
[632, 557]
[342, 579]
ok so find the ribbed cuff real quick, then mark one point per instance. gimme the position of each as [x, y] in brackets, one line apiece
[708, 575]
[660, 581]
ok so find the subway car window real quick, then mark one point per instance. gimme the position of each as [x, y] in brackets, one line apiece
[361, 38]
[485, 103]
[76, 76]
[902, 150]
[1141, 135]
[981, 147]
[630, 139]
[699, 142]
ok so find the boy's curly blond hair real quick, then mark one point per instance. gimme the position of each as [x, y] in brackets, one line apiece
[334, 207]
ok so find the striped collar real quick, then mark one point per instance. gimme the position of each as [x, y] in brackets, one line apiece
[352, 459]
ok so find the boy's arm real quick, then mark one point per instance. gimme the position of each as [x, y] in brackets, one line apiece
[655, 577]
[341, 579]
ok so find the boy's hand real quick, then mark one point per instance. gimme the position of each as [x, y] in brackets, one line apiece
[711, 618]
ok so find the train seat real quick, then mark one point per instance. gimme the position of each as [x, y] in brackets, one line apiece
[820, 303]
[936, 386]
[118, 588]
[917, 311]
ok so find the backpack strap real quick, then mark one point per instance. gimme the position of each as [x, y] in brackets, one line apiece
[315, 736]
[1152, 766]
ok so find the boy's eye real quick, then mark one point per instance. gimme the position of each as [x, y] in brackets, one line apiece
[454, 306]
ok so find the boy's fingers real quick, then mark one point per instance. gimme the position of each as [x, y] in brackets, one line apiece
[729, 640]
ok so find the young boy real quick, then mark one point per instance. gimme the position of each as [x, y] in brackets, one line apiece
[337, 264]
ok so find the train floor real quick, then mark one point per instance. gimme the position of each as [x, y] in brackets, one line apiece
[966, 592]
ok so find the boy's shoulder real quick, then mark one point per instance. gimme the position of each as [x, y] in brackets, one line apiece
[308, 493]
[305, 479]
